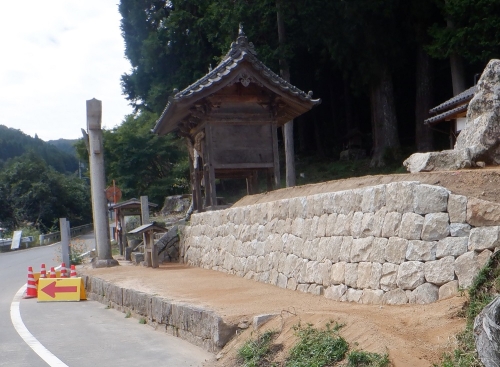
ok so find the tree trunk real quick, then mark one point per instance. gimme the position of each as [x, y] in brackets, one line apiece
[423, 101]
[384, 123]
[288, 127]
[457, 68]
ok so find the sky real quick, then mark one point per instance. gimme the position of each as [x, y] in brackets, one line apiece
[55, 55]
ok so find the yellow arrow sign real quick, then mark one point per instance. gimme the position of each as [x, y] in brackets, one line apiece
[59, 289]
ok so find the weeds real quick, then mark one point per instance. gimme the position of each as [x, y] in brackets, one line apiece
[128, 314]
[254, 353]
[317, 347]
[359, 358]
[142, 321]
[314, 348]
[486, 284]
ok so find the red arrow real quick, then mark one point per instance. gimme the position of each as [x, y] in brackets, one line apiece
[52, 289]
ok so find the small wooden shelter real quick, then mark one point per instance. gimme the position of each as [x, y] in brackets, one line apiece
[131, 207]
[150, 249]
[230, 119]
[453, 110]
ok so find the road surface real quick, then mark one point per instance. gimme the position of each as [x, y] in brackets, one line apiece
[77, 333]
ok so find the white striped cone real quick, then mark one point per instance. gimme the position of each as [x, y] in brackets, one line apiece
[72, 274]
[31, 285]
[63, 271]
[52, 272]
[43, 272]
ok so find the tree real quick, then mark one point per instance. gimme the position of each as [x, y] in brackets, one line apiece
[142, 163]
[36, 193]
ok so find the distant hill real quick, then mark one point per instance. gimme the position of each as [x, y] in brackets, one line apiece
[66, 145]
[14, 143]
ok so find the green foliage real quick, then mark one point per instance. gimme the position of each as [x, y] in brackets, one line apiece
[14, 143]
[254, 353]
[317, 347]
[128, 314]
[475, 33]
[359, 358]
[142, 321]
[142, 163]
[35, 193]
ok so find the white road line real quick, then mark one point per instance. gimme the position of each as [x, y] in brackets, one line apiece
[38, 348]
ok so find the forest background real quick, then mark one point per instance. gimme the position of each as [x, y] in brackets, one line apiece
[377, 65]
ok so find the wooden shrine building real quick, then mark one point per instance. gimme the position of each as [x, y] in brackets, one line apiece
[454, 111]
[230, 118]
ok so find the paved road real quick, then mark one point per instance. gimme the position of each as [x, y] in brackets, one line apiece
[79, 333]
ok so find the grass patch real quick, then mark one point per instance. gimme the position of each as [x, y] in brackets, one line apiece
[128, 314]
[255, 353]
[142, 321]
[482, 291]
[359, 358]
[317, 347]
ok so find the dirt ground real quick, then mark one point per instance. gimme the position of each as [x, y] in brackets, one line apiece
[413, 335]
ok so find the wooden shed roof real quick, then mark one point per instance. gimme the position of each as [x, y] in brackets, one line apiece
[451, 107]
[130, 204]
[240, 62]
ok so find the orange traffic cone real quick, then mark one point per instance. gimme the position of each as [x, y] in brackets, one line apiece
[63, 271]
[52, 273]
[43, 272]
[31, 285]
[72, 274]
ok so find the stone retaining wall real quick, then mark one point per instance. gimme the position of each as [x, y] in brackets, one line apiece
[393, 244]
[197, 325]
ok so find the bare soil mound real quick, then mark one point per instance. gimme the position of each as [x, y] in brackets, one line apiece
[482, 183]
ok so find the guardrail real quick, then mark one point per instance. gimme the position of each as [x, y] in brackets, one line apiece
[7, 242]
[48, 238]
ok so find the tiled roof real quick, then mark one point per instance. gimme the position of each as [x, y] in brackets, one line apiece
[460, 98]
[240, 51]
[444, 115]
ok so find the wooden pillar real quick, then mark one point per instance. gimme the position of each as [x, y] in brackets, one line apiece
[192, 181]
[209, 162]
[205, 170]
[269, 177]
[276, 159]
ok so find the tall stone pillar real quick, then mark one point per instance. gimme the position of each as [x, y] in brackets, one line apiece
[98, 185]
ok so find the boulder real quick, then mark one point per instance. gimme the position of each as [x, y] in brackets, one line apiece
[426, 293]
[351, 275]
[451, 246]
[487, 334]
[399, 196]
[336, 292]
[392, 221]
[395, 297]
[430, 199]
[395, 251]
[372, 297]
[373, 198]
[480, 135]
[361, 249]
[479, 141]
[484, 238]
[389, 277]
[436, 226]
[448, 290]
[421, 250]
[466, 268]
[482, 213]
[457, 208]
[354, 295]
[411, 226]
[446, 160]
[460, 229]
[410, 275]
[441, 271]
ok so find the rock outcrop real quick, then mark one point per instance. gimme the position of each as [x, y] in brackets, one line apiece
[480, 140]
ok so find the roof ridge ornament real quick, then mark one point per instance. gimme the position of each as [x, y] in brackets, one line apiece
[242, 44]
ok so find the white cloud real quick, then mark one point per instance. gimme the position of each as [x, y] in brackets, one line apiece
[56, 54]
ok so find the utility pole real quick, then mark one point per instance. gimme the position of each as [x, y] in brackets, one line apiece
[98, 185]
